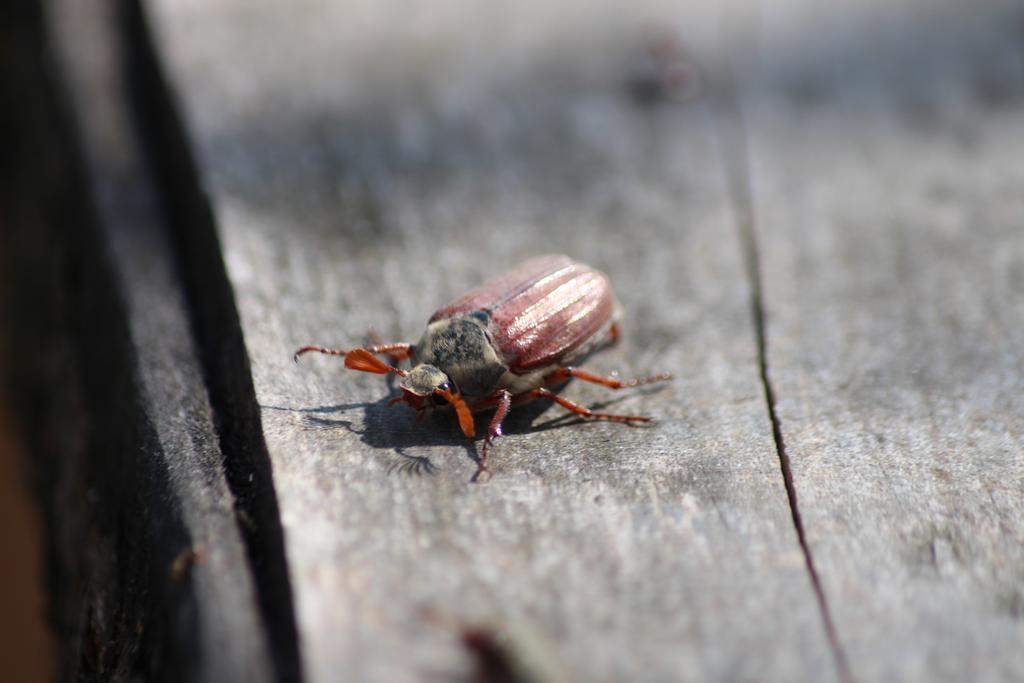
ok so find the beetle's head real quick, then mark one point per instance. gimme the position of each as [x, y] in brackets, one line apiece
[425, 386]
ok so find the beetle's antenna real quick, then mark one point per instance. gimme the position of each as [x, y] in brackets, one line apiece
[461, 409]
[361, 359]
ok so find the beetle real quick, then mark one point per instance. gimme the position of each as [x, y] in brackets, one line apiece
[509, 341]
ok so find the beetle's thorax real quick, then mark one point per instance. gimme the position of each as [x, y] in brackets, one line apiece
[461, 348]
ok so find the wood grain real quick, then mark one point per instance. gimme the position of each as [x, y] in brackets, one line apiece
[886, 175]
[354, 188]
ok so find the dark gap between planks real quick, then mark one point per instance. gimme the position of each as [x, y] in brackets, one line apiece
[217, 330]
[95, 462]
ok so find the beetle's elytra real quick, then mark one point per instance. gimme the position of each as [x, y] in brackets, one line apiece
[506, 342]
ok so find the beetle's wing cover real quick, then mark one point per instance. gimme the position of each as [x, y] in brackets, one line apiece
[542, 311]
[495, 292]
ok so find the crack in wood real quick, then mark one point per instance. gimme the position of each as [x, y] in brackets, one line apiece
[735, 155]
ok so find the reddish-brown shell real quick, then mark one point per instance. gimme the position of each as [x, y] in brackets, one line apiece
[542, 312]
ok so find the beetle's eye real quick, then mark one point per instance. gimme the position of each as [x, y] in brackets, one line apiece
[436, 398]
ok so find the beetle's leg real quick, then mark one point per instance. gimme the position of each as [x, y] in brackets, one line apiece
[559, 375]
[398, 351]
[396, 355]
[585, 412]
[615, 333]
[374, 336]
[504, 401]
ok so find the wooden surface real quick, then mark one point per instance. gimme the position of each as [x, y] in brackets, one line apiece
[198, 565]
[892, 234]
[347, 199]
[821, 236]
[659, 553]
[626, 553]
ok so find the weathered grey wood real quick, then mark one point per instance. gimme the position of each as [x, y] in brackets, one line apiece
[887, 148]
[349, 197]
[199, 615]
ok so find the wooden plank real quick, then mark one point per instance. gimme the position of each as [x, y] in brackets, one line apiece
[365, 166]
[887, 175]
[172, 593]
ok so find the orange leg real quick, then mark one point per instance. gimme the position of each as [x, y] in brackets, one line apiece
[396, 357]
[585, 412]
[615, 333]
[504, 401]
[398, 351]
[561, 374]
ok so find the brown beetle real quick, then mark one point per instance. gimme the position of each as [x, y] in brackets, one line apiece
[507, 341]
